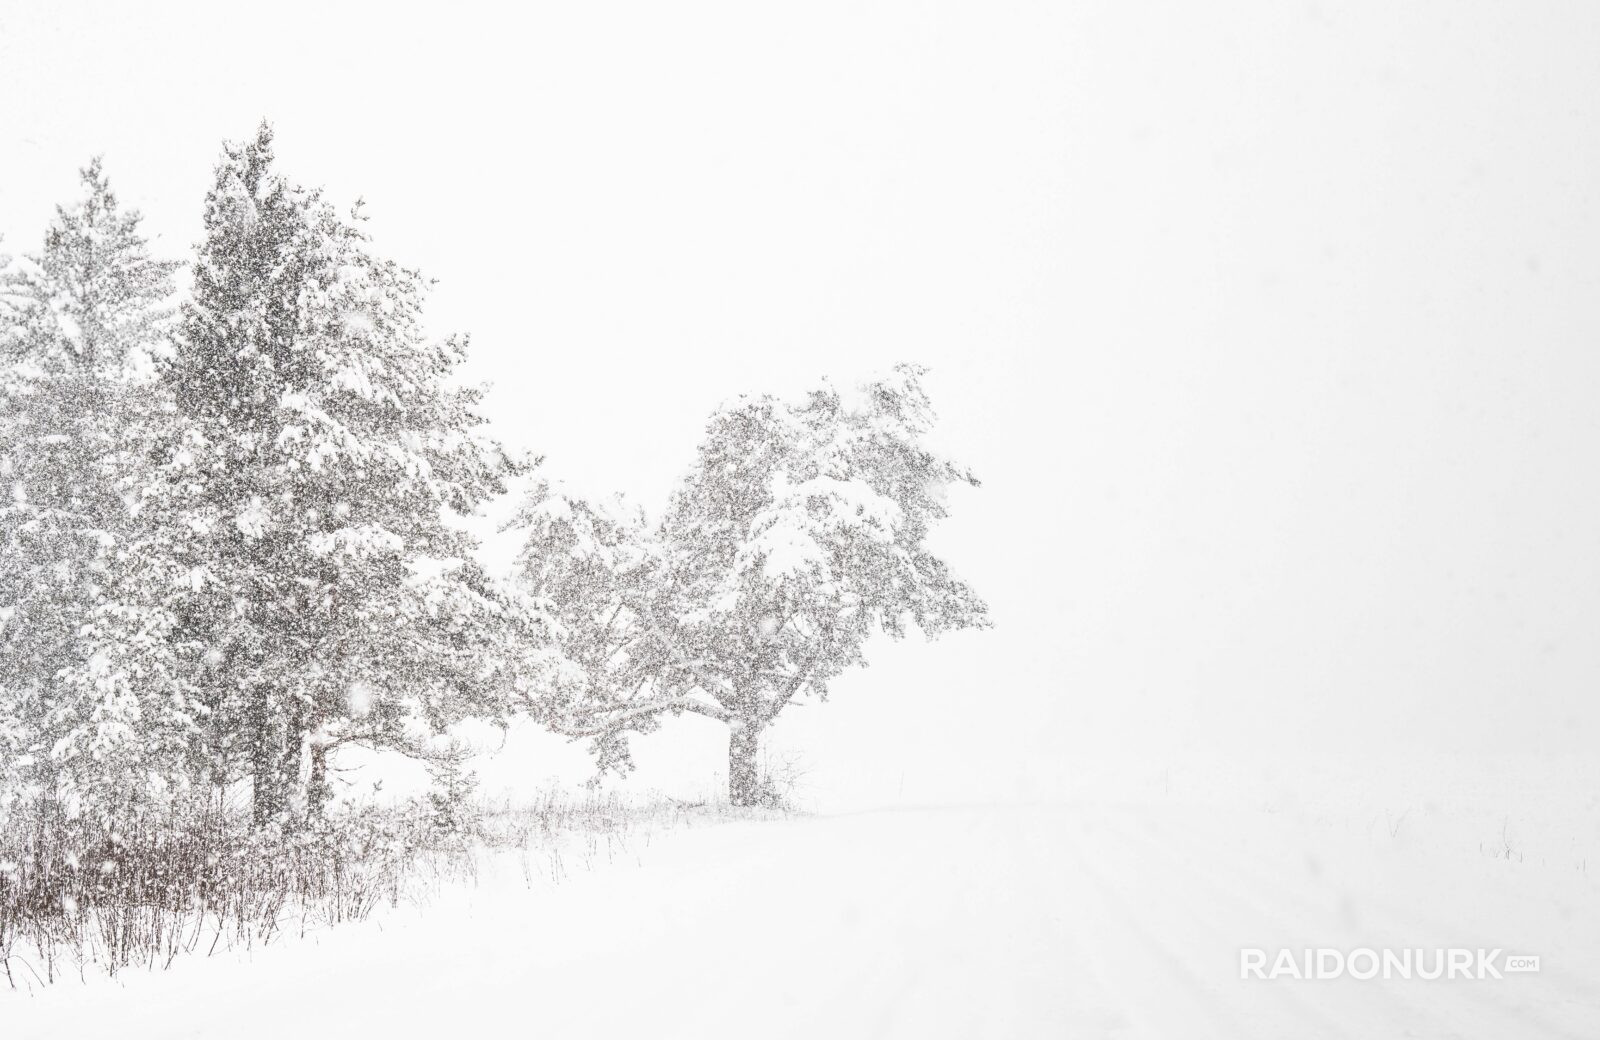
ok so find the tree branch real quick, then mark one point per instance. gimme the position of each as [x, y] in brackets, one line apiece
[618, 720]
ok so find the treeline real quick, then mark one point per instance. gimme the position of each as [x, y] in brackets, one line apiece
[227, 545]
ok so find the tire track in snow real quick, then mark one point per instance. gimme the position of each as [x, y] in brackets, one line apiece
[1389, 927]
[1214, 928]
[1399, 926]
[1127, 937]
[1298, 922]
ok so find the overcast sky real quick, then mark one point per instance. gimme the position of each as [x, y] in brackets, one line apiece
[1271, 328]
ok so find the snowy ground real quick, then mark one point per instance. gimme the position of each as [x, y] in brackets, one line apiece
[962, 922]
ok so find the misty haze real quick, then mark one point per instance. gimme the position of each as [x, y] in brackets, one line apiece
[707, 520]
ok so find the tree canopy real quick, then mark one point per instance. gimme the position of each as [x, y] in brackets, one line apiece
[799, 533]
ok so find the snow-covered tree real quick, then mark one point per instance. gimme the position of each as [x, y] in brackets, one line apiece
[78, 319]
[319, 453]
[799, 533]
[593, 568]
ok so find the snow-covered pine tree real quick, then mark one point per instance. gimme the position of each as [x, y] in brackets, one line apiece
[79, 317]
[320, 447]
[799, 533]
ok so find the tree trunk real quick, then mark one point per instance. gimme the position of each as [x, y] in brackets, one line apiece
[318, 793]
[268, 796]
[275, 760]
[744, 785]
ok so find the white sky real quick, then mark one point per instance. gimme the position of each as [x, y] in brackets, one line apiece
[1271, 327]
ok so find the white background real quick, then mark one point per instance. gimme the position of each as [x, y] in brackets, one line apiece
[1271, 328]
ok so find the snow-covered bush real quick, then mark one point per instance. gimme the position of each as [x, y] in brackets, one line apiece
[452, 810]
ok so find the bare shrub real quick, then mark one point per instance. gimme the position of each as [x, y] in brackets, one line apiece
[141, 890]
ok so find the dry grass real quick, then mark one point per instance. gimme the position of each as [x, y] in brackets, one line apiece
[139, 892]
[77, 897]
